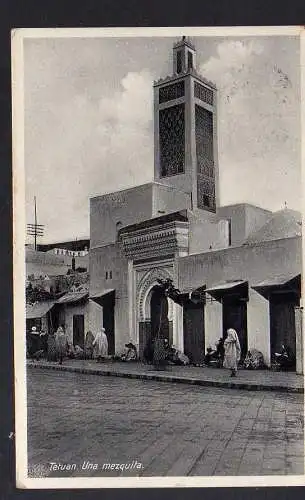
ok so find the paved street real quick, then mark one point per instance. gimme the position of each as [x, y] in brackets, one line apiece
[164, 428]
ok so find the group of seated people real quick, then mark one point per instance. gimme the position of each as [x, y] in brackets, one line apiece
[39, 345]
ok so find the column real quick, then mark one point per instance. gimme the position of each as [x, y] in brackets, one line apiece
[258, 324]
[299, 347]
[133, 333]
[212, 321]
[178, 326]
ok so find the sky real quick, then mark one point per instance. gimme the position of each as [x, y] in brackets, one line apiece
[88, 107]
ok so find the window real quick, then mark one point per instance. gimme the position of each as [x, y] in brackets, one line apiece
[230, 232]
[189, 60]
[172, 141]
[106, 275]
[171, 92]
[110, 275]
[205, 159]
[179, 61]
[203, 93]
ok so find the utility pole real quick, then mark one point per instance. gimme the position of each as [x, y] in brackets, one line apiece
[35, 229]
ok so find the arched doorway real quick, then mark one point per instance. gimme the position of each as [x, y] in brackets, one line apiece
[159, 314]
[149, 301]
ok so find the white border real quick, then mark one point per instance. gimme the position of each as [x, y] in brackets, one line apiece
[19, 255]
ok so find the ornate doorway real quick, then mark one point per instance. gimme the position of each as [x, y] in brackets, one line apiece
[159, 314]
[149, 301]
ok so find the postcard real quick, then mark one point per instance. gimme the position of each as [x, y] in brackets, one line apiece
[158, 306]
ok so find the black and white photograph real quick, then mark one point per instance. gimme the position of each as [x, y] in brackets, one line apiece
[158, 209]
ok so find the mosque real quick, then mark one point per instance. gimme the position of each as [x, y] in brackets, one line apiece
[235, 266]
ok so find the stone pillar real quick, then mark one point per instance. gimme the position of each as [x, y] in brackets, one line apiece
[299, 348]
[133, 331]
[258, 324]
[212, 321]
[178, 326]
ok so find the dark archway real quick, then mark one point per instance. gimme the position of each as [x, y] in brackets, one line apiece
[282, 321]
[234, 315]
[159, 314]
[193, 331]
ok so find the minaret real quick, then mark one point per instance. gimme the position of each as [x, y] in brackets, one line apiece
[185, 130]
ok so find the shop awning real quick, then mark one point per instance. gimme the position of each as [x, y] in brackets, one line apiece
[196, 295]
[278, 284]
[72, 297]
[225, 285]
[100, 297]
[39, 309]
[235, 287]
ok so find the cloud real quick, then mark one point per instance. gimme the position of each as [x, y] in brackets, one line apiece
[89, 131]
[258, 127]
[101, 145]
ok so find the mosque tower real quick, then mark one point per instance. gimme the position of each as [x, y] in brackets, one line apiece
[185, 130]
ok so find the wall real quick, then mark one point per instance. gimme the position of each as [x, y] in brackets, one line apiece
[254, 263]
[127, 207]
[42, 263]
[236, 213]
[109, 258]
[255, 218]
[69, 311]
[258, 324]
[168, 199]
[44, 323]
[212, 322]
[299, 340]
[204, 233]
[95, 317]
[245, 219]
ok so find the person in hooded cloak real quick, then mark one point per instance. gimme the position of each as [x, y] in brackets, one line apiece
[232, 351]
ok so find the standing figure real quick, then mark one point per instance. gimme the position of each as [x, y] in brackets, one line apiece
[232, 351]
[220, 351]
[34, 343]
[44, 343]
[89, 345]
[61, 344]
[52, 351]
[100, 345]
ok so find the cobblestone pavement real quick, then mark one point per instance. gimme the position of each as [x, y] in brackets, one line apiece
[171, 429]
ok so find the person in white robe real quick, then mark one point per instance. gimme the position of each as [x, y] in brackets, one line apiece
[232, 351]
[100, 345]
